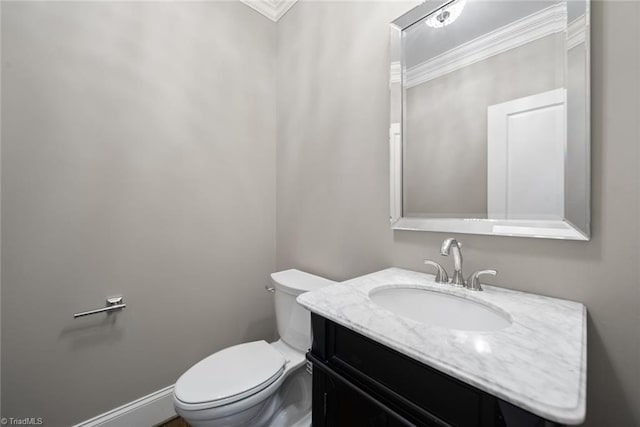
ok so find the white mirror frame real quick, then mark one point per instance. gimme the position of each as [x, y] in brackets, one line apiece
[557, 229]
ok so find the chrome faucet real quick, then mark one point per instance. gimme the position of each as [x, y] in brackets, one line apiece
[452, 245]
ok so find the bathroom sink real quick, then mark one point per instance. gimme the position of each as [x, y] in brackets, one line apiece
[440, 309]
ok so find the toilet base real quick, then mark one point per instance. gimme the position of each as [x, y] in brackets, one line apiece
[292, 403]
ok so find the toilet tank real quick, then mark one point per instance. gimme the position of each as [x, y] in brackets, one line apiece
[293, 320]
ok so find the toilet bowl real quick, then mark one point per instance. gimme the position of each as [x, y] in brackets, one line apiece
[256, 383]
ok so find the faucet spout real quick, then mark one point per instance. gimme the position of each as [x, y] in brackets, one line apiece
[452, 245]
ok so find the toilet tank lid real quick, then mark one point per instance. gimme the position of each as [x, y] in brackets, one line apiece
[296, 282]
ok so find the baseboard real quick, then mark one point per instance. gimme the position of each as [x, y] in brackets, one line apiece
[147, 411]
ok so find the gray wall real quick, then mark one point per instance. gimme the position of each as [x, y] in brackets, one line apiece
[446, 119]
[138, 158]
[332, 183]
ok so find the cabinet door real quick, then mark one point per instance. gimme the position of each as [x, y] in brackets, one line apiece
[339, 405]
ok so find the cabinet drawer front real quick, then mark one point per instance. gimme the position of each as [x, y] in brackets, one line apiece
[445, 397]
[343, 397]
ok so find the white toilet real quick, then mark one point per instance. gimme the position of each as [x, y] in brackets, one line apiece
[257, 383]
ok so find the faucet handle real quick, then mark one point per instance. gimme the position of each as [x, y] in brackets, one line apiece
[473, 283]
[441, 273]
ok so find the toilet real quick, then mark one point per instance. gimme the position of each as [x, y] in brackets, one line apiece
[257, 383]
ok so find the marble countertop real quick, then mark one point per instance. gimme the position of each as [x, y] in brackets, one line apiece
[537, 363]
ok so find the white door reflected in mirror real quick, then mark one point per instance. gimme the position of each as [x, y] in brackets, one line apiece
[525, 161]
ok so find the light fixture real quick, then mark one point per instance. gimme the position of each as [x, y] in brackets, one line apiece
[446, 14]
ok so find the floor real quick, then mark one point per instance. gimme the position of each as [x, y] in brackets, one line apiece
[174, 422]
[179, 422]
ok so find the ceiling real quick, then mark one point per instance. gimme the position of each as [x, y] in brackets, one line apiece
[478, 18]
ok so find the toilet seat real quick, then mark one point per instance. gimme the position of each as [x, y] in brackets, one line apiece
[229, 375]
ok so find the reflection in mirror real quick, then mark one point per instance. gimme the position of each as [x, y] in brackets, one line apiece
[489, 118]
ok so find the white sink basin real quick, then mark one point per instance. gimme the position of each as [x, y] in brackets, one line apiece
[441, 309]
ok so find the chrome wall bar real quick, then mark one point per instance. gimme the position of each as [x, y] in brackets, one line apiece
[114, 303]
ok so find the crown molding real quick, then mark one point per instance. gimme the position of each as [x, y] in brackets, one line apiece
[272, 9]
[547, 21]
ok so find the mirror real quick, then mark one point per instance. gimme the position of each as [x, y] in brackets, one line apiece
[489, 129]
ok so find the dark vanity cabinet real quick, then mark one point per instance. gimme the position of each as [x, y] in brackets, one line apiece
[359, 382]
